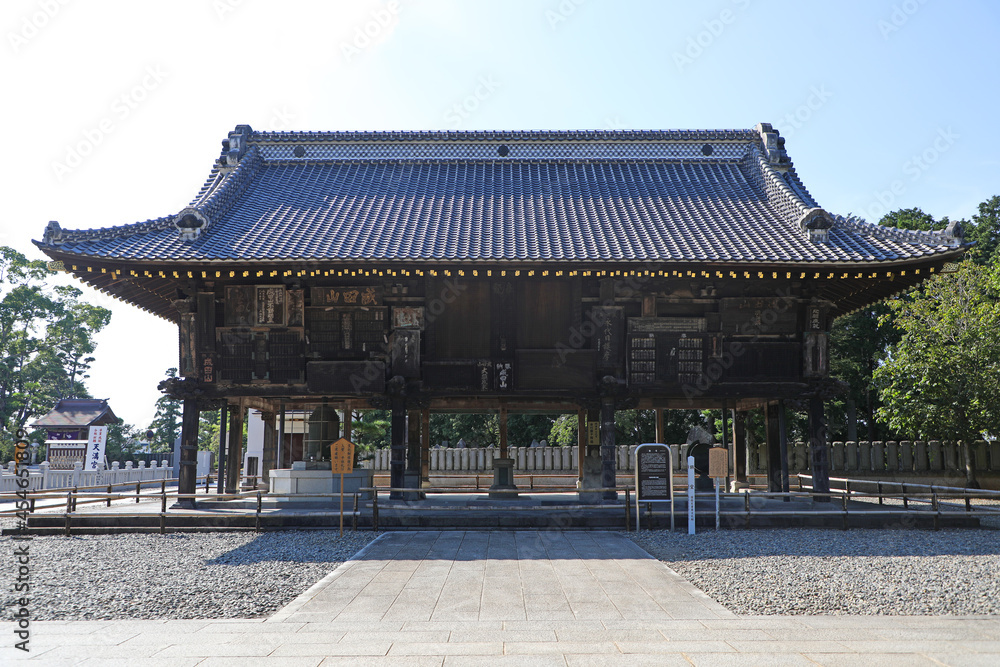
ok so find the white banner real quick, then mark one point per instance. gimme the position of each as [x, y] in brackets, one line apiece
[96, 441]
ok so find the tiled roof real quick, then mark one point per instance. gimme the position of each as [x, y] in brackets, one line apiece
[77, 412]
[671, 196]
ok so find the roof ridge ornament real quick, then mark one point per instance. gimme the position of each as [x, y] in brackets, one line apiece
[816, 224]
[774, 146]
[191, 222]
[235, 147]
[53, 233]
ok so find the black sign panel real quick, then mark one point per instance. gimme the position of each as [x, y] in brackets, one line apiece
[653, 472]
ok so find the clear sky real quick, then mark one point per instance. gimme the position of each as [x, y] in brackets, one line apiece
[115, 109]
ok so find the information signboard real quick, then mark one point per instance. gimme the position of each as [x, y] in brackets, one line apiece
[718, 462]
[342, 457]
[342, 463]
[654, 473]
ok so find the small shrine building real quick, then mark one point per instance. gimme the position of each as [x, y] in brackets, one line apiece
[67, 426]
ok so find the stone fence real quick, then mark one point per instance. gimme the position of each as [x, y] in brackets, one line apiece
[928, 457]
[904, 456]
[45, 479]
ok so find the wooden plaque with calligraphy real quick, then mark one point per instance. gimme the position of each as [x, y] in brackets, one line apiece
[342, 457]
[270, 306]
[346, 296]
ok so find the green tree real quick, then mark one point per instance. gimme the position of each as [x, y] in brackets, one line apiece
[859, 343]
[940, 379]
[166, 424]
[208, 431]
[984, 231]
[46, 339]
[123, 440]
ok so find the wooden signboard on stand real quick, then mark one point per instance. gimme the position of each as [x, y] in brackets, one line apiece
[718, 469]
[341, 462]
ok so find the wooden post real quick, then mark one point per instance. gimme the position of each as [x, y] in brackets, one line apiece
[818, 447]
[773, 447]
[608, 451]
[503, 431]
[413, 443]
[348, 421]
[425, 447]
[740, 445]
[281, 436]
[223, 423]
[659, 426]
[783, 446]
[187, 477]
[234, 457]
[270, 453]
[581, 442]
[729, 454]
[397, 447]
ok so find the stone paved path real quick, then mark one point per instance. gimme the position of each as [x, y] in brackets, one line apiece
[510, 598]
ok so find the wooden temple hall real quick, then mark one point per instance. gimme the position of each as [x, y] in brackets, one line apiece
[577, 272]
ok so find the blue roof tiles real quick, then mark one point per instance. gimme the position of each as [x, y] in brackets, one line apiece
[449, 196]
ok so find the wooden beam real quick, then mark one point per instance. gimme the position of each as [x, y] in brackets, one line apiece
[581, 442]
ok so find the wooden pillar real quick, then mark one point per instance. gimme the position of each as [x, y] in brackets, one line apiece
[282, 454]
[223, 423]
[740, 445]
[660, 435]
[187, 477]
[397, 446]
[773, 447]
[269, 456]
[348, 421]
[413, 444]
[234, 458]
[608, 451]
[581, 442]
[503, 431]
[783, 446]
[425, 447]
[818, 447]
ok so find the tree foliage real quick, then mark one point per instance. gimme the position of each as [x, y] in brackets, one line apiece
[166, 424]
[46, 340]
[940, 379]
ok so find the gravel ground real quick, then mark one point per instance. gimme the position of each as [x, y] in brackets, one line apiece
[828, 571]
[182, 575]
